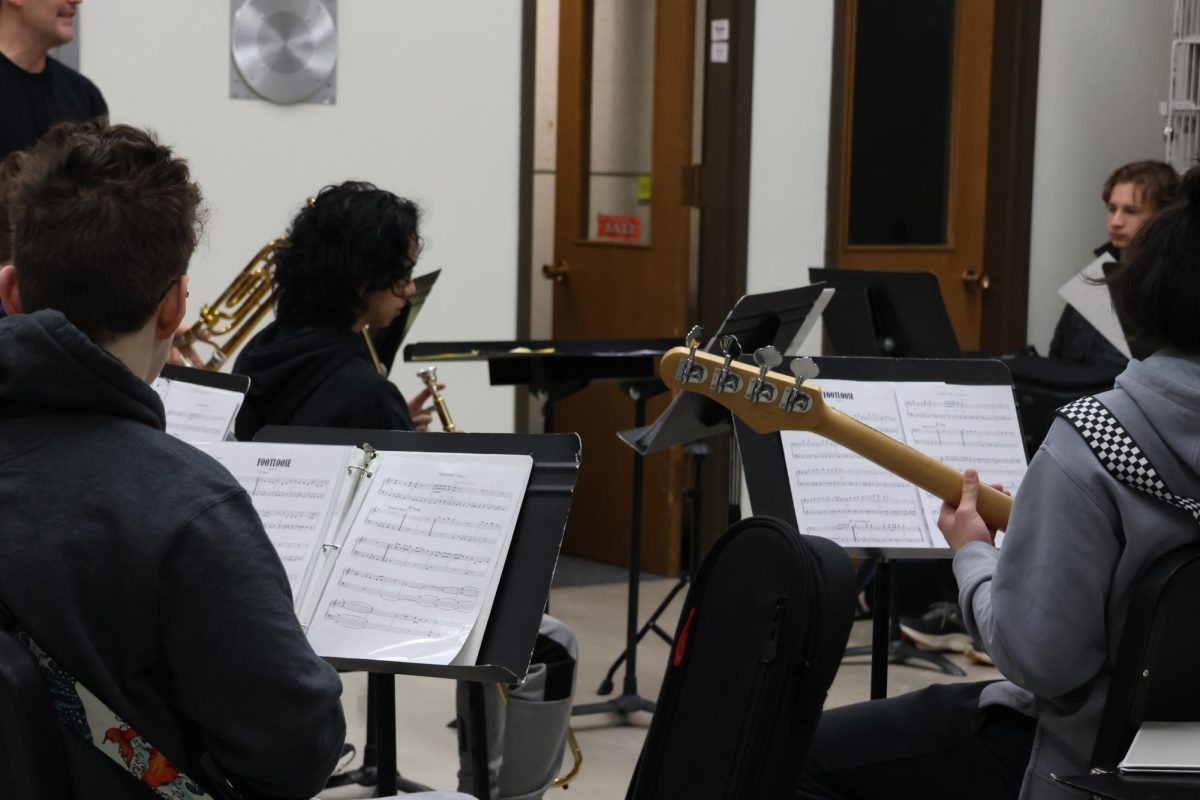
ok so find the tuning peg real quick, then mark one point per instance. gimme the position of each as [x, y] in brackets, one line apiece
[689, 371]
[761, 391]
[767, 358]
[731, 347]
[723, 380]
[793, 399]
[804, 368]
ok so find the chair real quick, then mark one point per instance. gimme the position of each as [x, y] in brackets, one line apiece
[1157, 672]
[31, 747]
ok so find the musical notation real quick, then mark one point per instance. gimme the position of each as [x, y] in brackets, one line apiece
[865, 533]
[844, 497]
[278, 519]
[423, 551]
[197, 414]
[420, 557]
[352, 614]
[286, 488]
[468, 498]
[447, 598]
[435, 527]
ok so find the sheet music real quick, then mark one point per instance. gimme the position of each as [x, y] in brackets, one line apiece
[296, 490]
[842, 496]
[198, 413]
[421, 560]
[963, 426]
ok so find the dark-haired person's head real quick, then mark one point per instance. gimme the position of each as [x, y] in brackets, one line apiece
[104, 221]
[1133, 193]
[1156, 289]
[348, 260]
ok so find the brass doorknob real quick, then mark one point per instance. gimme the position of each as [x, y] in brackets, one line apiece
[975, 279]
[556, 272]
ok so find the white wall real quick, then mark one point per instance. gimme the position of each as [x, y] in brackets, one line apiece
[1103, 69]
[789, 149]
[428, 104]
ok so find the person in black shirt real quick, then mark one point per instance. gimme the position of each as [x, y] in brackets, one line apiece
[37, 90]
[346, 265]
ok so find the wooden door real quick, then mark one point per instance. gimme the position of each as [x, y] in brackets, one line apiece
[913, 162]
[622, 232]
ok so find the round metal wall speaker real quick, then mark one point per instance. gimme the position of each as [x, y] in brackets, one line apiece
[285, 50]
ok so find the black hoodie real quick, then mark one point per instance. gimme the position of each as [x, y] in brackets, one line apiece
[139, 563]
[314, 377]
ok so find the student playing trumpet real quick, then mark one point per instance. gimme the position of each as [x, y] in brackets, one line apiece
[347, 265]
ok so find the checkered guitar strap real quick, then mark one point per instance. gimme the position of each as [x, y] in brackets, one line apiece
[1119, 453]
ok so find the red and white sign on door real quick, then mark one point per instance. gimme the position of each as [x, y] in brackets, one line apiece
[626, 227]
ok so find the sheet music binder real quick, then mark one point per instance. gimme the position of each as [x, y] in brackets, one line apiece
[762, 454]
[512, 627]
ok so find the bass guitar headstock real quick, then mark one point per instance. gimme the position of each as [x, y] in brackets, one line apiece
[767, 401]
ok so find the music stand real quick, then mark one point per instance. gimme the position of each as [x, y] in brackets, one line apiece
[768, 481]
[894, 314]
[512, 626]
[227, 381]
[552, 369]
[388, 340]
[781, 318]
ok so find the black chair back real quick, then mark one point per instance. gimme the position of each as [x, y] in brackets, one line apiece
[31, 746]
[1157, 672]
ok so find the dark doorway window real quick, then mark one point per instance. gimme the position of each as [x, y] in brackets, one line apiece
[899, 166]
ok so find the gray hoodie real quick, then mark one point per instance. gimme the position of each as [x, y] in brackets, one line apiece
[1051, 605]
[139, 564]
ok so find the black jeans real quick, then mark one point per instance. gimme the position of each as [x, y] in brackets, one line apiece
[934, 743]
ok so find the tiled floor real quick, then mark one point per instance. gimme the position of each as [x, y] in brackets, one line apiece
[427, 748]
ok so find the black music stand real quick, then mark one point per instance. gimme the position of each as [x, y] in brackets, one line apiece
[770, 490]
[552, 369]
[893, 314]
[207, 377]
[387, 340]
[512, 627]
[782, 319]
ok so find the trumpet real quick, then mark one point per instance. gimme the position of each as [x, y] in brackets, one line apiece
[238, 310]
[429, 377]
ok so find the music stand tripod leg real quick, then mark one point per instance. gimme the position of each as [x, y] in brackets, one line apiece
[696, 451]
[629, 701]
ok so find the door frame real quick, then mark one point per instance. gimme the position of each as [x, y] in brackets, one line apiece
[1012, 123]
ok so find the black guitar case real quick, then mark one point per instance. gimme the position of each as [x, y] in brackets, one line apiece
[758, 643]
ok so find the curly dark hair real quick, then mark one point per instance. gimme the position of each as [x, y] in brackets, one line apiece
[1156, 289]
[351, 240]
[104, 219]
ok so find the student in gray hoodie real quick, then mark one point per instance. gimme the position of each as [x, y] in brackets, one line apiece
[1051, 605]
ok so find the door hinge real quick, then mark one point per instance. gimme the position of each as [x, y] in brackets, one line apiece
[693, 185]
